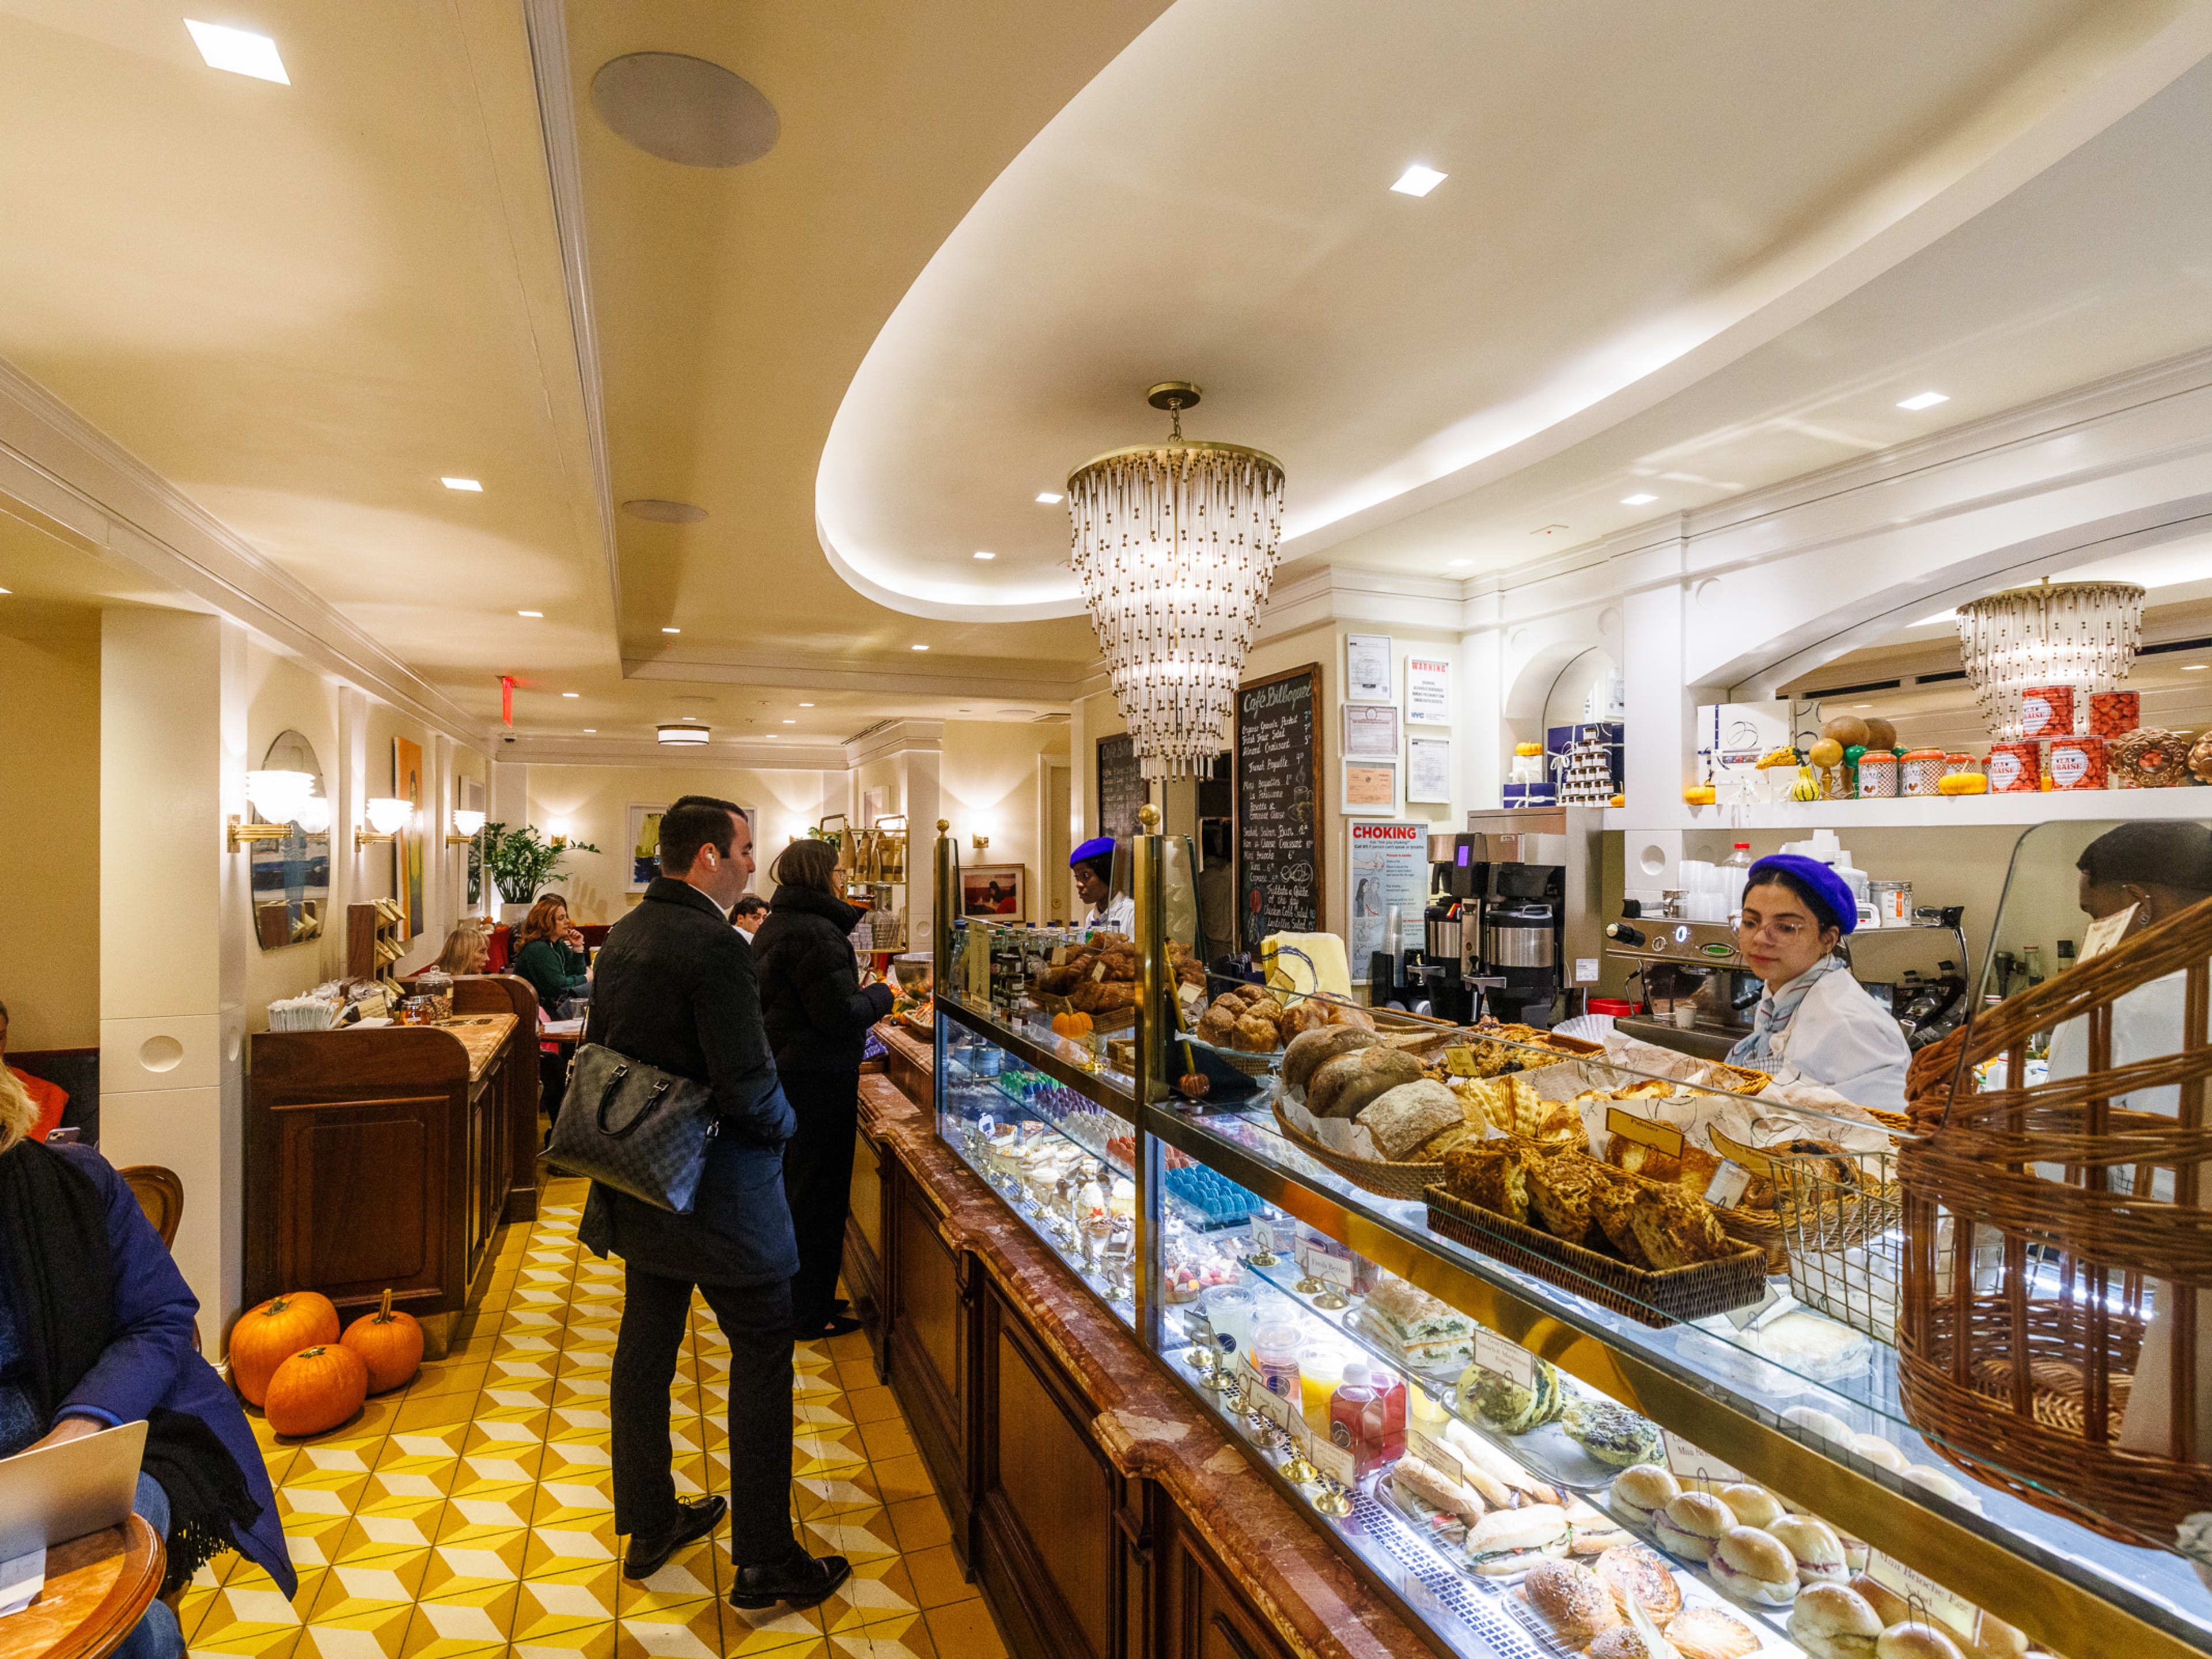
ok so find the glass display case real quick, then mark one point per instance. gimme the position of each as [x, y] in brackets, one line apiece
[1455, 1387]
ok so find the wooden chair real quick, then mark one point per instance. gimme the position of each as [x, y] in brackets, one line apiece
[161, 1195]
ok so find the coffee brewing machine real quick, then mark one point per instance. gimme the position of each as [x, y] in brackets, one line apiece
[1511, 921]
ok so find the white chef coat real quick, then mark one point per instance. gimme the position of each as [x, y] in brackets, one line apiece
[2145, 1024]
[1841, 1037]
[1117, 915]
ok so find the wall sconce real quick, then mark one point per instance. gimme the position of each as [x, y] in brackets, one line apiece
[281, 799]
[980, 844]
[467, 826]
[557, 831]
[387, 816]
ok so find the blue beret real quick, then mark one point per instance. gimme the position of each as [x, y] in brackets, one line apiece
[1097, 847]
[1833, 903]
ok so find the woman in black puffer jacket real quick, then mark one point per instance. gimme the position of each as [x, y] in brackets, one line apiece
[817, 1017]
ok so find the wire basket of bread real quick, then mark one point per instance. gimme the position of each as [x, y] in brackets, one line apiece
[1643, 1248]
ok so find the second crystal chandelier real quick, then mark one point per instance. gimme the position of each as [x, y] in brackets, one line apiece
[1175, 544]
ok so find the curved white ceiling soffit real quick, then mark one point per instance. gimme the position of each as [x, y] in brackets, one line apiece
[1636, 197]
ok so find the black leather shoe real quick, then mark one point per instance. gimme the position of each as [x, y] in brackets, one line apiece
[649, 1552]
[802, 1581]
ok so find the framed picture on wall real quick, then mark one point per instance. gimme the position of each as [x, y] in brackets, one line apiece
[644, 844]
[1370, 785]
[994, 892]
[407, 848]
[1371, 731]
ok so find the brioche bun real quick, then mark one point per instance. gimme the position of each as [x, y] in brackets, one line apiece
[1753, 1566]
[1754, 1506]
[1639, 1493]
[1692, 1524]
[1833, 1621]
[1814, 1546]
[1915, 1640]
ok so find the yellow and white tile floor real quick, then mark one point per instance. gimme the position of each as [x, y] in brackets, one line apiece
[471, 1513]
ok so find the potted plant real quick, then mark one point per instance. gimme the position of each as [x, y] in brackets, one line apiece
[521, 862]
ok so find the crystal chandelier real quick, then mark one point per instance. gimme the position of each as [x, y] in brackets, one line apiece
[2079, 634]
[1174, 546]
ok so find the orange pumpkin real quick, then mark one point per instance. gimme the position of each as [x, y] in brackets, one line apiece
[1071, 1025]
[390, 1344]
[317, 1389]
[272, 1334]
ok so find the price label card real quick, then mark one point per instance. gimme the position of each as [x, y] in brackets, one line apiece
[1460, 1062]
[1923, 1592]
[1331, 1459]
[1330, 1269]
[1263, 1235]
[1437, 1454]
[1747, 1158]
[1659, 1137]
[1585, 971]
[1728, 1185]
[1689, 1462]
[1508, 1359]
[1248, 1374]
[1275, 1407]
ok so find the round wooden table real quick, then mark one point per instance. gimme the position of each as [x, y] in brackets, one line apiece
[98, 1588]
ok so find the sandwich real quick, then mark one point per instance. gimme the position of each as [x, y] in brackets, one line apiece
[1709, 1633]
[1754, 1567]
[1589, 1532]
[1433, 1497]
[1571, 1599]
[1513, 1540]
[1638, 1577]
[1429, 1335]
[1833, 1621]
[1638, 1495]
[1754, 1506]
[1815, 1547]
[1488, 1470]
[1690, 1525]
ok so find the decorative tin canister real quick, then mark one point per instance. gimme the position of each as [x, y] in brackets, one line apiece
[2046, 711]
[2114, 714]
[1878, 774]
[1923, 770]
[2077, 764]
[2015, 769]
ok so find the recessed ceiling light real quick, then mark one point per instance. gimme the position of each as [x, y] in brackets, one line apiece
[1861, 705]
[468, 484]
[681, 734]
[1458, 564]
[1641, 498]
[919, 647]
[591, 731]
[981, 554]
[572, 694]
[1418, 181]
[6, 590]
[1925, 400]
[238, 50]
[791, 722]
[1049, 499]
[671, 630]
[538, 614]
[807, 705]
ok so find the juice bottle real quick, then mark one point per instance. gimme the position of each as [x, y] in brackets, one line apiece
[1321, 1368]
[1391, 1393]
[1358, 1421]
[1275, 1357]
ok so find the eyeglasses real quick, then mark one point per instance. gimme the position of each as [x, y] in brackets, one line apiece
[1781, 929]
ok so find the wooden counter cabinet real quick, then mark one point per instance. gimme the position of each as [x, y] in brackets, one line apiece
[388, 1158]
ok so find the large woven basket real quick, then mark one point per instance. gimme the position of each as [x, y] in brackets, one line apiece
[1647, 1296]
[1370, 1174]
[2028, 1384]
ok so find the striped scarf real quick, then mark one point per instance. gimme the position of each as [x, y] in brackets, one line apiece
[1776, 1010]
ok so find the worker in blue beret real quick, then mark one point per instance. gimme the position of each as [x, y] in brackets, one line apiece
[1093, 864]
[1816, 1023]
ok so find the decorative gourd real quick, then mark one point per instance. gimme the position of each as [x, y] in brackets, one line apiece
[1962, 783]
[272, 1334]
[1803, 788]
[317, 1389]
[1618, 800]
[1076, 1026]
[1825, 753]
[389, 1344]
[1698, 794]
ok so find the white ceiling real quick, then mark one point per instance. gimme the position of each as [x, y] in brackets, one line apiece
[1638, 196]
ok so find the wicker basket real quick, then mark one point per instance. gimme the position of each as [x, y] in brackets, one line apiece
[2026, 1382]
[1370, 1174]
[1264, 1064]
[1647, 1296]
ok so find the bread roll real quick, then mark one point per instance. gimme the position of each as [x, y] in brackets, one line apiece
[1915, 1640]
[1635, 1573]
[1638, 1494]
[1753, 1566]
[1831, 1621]
[1432, 1487]
[1570, 1599]
[1754, 1506]
[1256, 1033]
[1693, 1524]
[1813, 1544]
[1345, 1086]
[1309, 1050]
[1403, 1119]
[1302, 1017]
[1621, 1642]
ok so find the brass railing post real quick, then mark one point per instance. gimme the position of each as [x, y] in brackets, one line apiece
[1155, 1033]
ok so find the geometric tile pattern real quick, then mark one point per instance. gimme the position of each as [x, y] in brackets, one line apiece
[469, 1516]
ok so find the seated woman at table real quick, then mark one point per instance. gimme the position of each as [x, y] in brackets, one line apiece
[467, 950]
[96, 1330]
[550, 956]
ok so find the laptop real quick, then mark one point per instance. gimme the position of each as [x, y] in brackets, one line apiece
[56, 1493]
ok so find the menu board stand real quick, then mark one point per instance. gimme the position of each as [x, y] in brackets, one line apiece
[1279, 806]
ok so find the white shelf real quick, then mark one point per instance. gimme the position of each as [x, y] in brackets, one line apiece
[1920, 812]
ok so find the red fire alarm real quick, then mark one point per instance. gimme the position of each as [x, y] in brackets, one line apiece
[507, 698]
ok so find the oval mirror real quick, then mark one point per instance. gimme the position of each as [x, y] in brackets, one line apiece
[292, 877]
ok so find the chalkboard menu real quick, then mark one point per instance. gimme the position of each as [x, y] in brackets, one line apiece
[1120, 787]
[1279, 829]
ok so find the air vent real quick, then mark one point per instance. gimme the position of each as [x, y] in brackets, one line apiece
[871, 732]
[1052, 719]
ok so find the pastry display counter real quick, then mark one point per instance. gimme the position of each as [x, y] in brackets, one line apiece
[1452, 1398]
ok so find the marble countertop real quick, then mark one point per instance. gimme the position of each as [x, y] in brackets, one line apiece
[1317, 1604]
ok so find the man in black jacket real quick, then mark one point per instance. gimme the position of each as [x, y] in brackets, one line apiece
[675, 988]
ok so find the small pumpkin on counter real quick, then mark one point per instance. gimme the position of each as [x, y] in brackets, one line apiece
[389, 1344]
[1074, 1025]
[1699, 794]
[266, 1336]
[1962, 783]
[316, 1390]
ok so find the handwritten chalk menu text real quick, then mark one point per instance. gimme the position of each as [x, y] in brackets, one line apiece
[1279, 831]
[1120, 787]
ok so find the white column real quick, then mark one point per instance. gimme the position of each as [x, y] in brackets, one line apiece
[175, 923]
[923, 799]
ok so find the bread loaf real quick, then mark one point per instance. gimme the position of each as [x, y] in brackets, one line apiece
[1560, 1192]
[1343, 1086]
[1404, 1119]
[1674, 1231]
[1255, 1032]
[1309, 1050]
